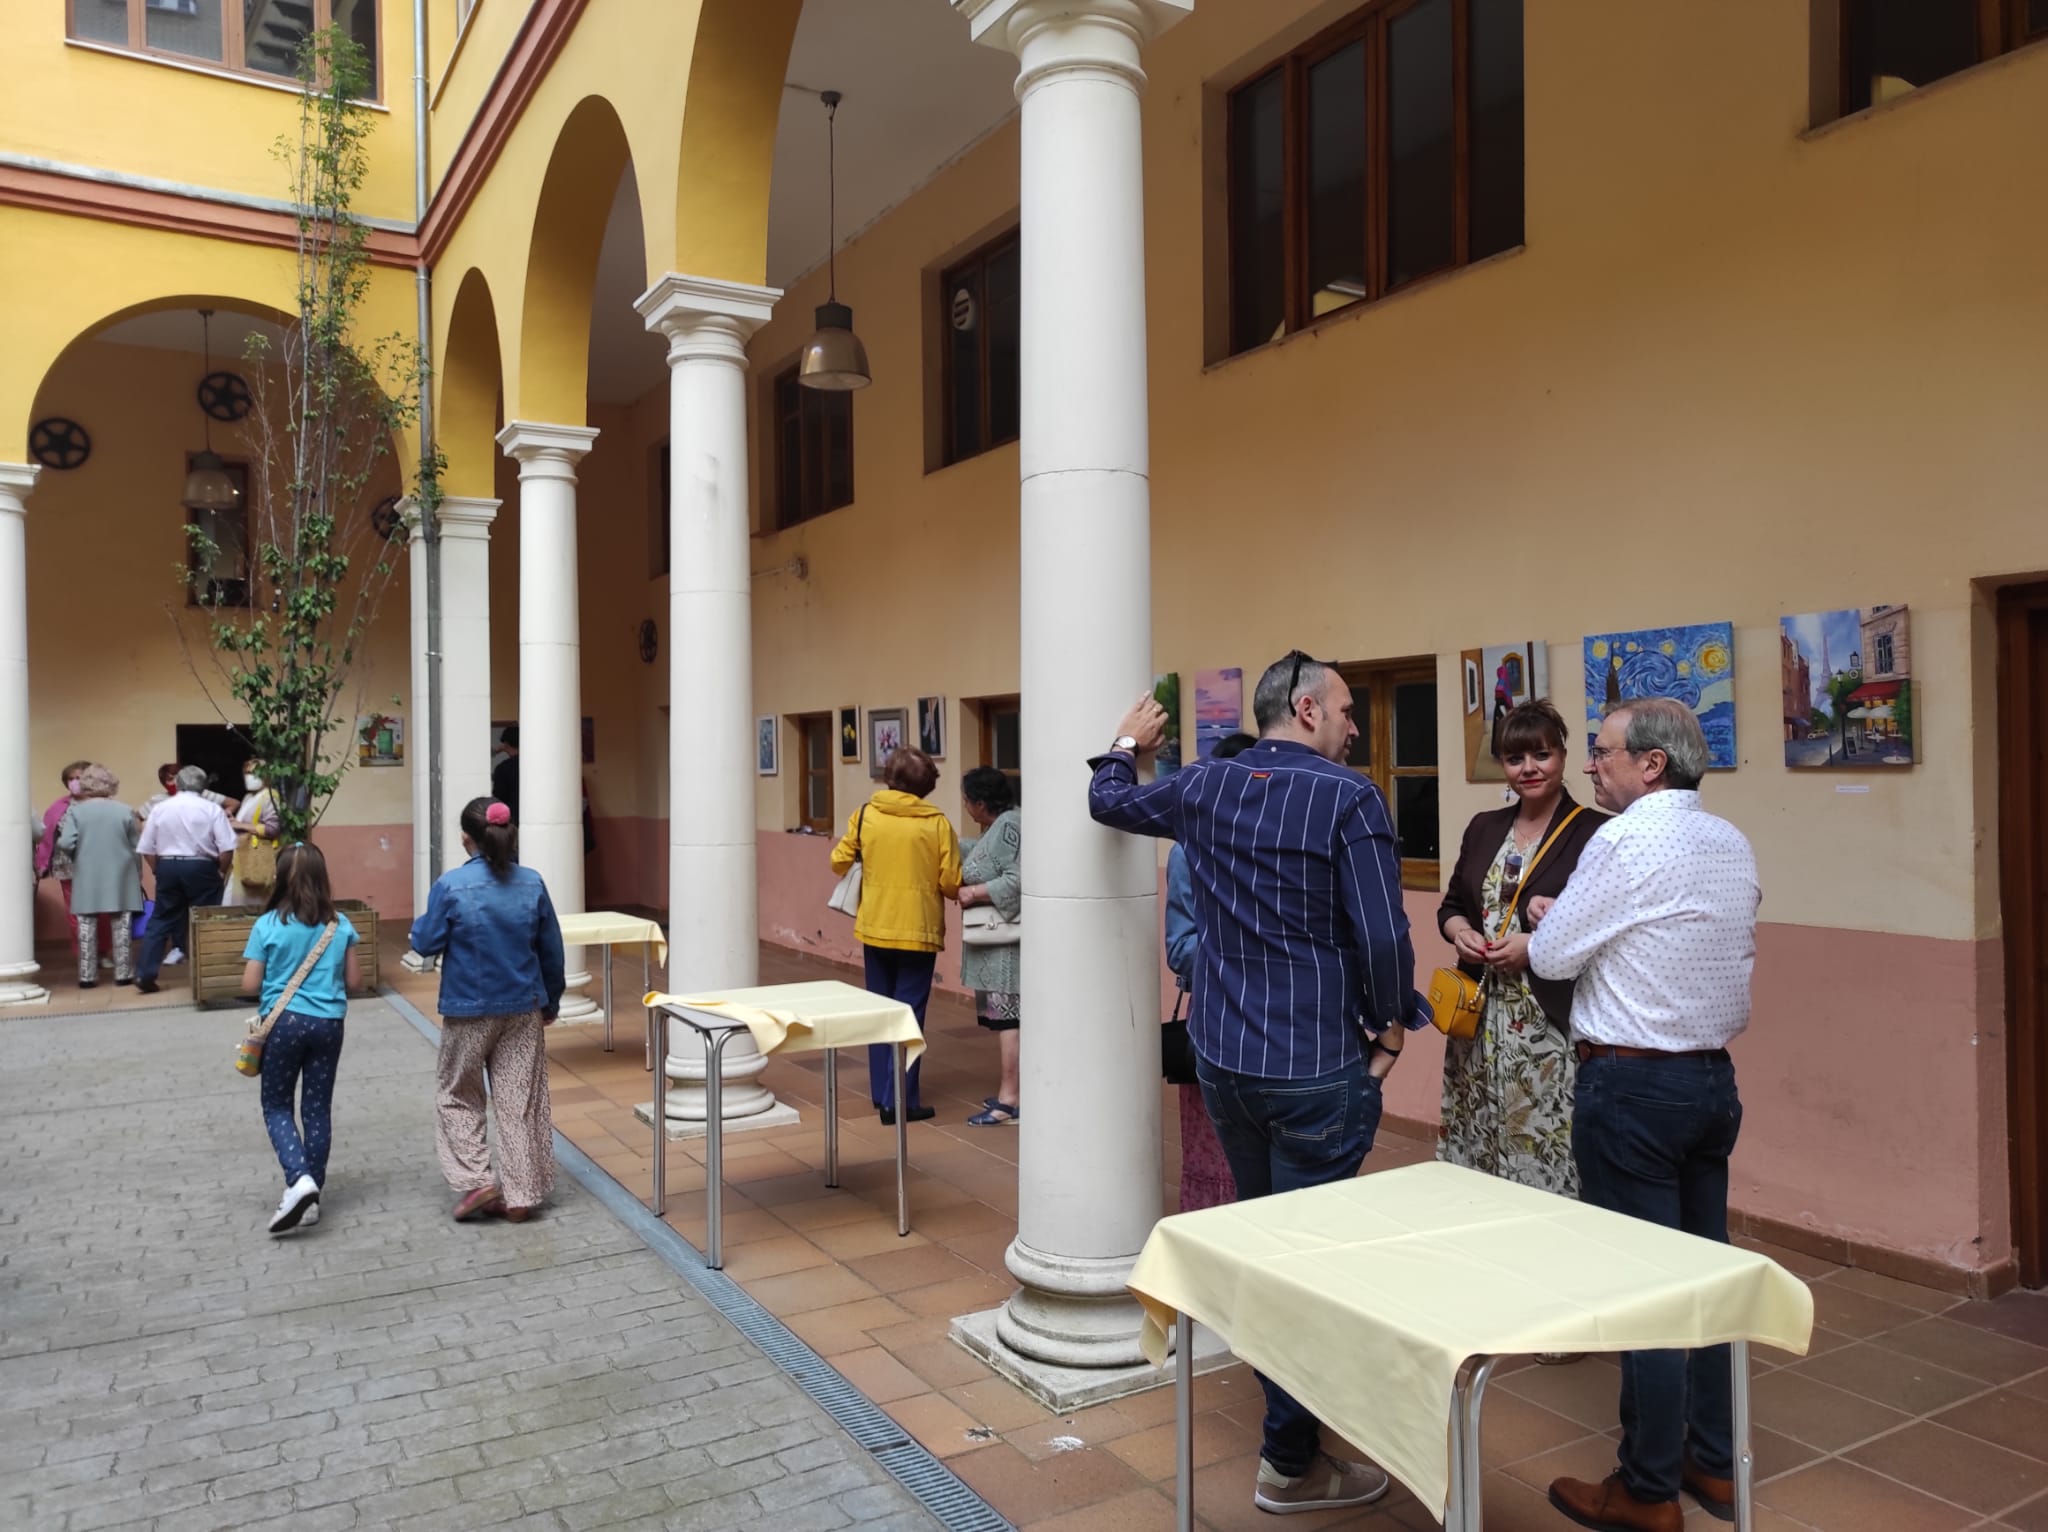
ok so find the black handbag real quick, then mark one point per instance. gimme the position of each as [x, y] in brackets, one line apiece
[1176, 1050]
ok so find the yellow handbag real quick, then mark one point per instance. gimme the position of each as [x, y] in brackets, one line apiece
[1456, 999]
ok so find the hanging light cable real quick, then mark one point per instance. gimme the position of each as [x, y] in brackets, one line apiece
[208, 485]
[833, 358]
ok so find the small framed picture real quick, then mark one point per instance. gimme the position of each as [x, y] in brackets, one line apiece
[887, 728]
[931, 726]
[765, 730]
[849, 736]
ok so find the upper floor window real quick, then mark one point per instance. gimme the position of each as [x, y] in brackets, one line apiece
[979, 317]
[250, 36]
[1385, 150]
[1890, 47]
[813, 450]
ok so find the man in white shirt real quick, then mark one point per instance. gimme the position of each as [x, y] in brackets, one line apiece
[188, 844]
[1658, 926]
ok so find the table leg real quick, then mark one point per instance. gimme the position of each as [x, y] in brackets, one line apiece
[1474, 1397]
[608, 998]
[902, 1149]
[1745, 1464]
[831, 1116]
[646, 988]
[657, 1032]
[1183, 1423]
[714, 1146]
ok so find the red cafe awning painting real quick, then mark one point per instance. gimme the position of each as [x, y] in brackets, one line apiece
[1876, 691]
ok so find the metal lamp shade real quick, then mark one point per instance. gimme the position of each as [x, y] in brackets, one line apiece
[208, 486]
[834, 358]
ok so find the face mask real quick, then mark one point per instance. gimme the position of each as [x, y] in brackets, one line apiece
[253, 783]
[71, 787]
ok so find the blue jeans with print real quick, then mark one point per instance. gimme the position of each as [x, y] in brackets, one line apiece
[1279, 1136]
[301, 1052]
[1652, 1138]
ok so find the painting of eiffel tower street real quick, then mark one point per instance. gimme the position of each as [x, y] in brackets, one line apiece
[1693, 665]
[1848, 688]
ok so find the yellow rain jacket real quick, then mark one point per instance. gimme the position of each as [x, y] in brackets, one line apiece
[910, 865]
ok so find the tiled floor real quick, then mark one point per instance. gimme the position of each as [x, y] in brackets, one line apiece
[1914, 1412]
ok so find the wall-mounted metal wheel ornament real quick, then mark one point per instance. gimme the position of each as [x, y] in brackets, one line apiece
[59, 443]
[389, 520]
[650, 640]
[224, 395]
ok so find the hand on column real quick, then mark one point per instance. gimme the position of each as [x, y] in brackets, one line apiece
[1145, 723]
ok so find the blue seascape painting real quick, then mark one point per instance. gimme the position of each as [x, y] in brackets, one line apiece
[1694, 665]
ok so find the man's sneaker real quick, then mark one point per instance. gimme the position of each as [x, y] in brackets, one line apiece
[312, 1214]
[300, 1195]
[174, 957]
[1329, 1482]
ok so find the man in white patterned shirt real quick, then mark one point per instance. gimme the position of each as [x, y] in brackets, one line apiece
[1658, 925]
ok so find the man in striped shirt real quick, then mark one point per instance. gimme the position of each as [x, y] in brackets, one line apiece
[1304, 974]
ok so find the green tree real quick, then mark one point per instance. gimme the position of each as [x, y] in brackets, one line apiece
[1839, 688]
[329, 408]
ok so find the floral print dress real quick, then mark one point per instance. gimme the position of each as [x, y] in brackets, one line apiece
[1507, 1107]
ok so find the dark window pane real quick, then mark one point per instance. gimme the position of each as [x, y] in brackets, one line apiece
[1360, 754]
[835, 410]
[2037, 16]
[966, 316]
[789, 453]
[358, 18]
[1415, 724]
[1895, 45]
[100, 21]
[1336, 180]
[1422, 174]
[1496, 95]
[190, 27]
[1415, 816]
[1009, 748]
[817, 745]
[1005, 317]
[1257, 248]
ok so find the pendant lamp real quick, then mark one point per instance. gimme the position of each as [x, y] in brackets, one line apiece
[208, 486]
[833, 358]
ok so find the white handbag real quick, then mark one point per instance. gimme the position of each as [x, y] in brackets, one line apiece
[846, 892]
[983, 925]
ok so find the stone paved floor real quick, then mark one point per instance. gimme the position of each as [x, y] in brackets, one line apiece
[165, 1364]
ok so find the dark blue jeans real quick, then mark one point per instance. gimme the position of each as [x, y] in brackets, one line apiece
[1652, 1138]
[301, 1052]
[1279, 1136]
[904, 976]
[182, 882]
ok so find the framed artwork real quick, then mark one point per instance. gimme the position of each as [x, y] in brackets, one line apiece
[1847, 682]
[765, 730]
[1219, 708]
[887, 732]
[1493, 682]
[849, 736]
[380, 739]
[1693, 665]
[1166, 692]
[931, 726]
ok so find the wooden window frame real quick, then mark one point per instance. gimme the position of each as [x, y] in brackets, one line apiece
[232, 41]
[192, 598]
[949, 452]
[2001, 29]
[986, 711]
[805, 723]
[1368, 25]
[812, 474]
[1380, 677]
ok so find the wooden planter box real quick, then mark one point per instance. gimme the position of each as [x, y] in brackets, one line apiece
[219, 933]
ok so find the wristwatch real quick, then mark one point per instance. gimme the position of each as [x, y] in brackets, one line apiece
[1128, 743]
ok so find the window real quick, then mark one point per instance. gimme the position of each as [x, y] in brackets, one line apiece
[815, 741]
[813, 450]
[217, 564]
[1890, 47]
[1001, 735]
[1387, 149]
[250, 36]
[981, 312]
[1394, 705]
[657, 511]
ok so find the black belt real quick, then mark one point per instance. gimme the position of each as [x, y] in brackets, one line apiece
[1618, 1051]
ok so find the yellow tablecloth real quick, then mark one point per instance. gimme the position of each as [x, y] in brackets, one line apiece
[804, 1018]
[1365, 1297]
[607, 928]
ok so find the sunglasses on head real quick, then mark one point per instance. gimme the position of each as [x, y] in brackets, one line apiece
[1301, 657]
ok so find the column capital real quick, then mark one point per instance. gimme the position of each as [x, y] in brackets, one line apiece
[1052, 37]
[16, 481]
[705, 318]
[546, 451]
[466, 516]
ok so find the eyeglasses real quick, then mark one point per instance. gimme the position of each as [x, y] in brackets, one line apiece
[1602, 752]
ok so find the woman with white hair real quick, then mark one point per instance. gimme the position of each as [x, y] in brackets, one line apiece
[99, 836]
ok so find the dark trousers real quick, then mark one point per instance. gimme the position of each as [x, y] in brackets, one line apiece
[907, 977]
[1652, 1138]
[302, 1053]
[182, 882]
[1280, 1136]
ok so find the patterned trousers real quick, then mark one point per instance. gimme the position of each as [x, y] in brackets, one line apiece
[123, 939]
[513, 1050]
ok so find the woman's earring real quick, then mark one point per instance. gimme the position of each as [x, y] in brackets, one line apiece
[1507, 795]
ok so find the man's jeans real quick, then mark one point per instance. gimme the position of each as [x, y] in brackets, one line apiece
[182, 883]
[1279, 1136]
[1652, 1138]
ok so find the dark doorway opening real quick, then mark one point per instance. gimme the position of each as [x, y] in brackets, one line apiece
[219, 749]
[2023, 901]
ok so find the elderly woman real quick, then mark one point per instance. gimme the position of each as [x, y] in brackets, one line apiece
[98, 836]
[993, 875]
[256, 822]
[51, 862]
[910, 861]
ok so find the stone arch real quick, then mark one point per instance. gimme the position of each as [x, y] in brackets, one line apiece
[733, 99]
[470, 380]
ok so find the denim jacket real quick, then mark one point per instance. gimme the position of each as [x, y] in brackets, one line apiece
[498, 939]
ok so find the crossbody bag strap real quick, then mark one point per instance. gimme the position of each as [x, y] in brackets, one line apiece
[1529, 871]
[860, 830]
[291, 990]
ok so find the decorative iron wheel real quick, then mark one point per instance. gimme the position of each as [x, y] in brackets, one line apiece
[650, 640]
[60, 443]
[224, 395]
[388, 520]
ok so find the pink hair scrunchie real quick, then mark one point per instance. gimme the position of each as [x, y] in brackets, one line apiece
[497, 814]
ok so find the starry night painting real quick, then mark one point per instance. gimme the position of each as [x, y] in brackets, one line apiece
[1694, 665]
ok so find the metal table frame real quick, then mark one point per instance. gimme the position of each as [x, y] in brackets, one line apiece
[715, 1036]
[1468, 1393]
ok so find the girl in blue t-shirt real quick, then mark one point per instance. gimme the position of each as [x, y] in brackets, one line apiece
[305, 1042]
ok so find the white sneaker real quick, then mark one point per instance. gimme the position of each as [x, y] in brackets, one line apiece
[301, 1194]
[1329, 1482]
[174, 957]
[312, 1214]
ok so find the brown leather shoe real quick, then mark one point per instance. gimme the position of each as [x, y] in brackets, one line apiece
[1716, 1496]
[1609, 1507]
[515, 1215]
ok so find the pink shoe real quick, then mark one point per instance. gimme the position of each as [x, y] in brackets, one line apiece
[485, 1199]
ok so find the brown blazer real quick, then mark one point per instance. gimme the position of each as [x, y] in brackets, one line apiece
[1482, 842]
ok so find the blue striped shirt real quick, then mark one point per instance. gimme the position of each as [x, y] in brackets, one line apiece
[1298, 896]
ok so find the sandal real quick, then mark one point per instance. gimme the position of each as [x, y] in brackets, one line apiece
[485, 1199]
[994, 1115]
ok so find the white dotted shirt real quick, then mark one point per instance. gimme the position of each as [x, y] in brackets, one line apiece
[1658, 925]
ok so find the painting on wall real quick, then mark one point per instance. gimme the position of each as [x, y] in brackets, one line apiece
[1496, 680]
[931, 726]
[1693, 665]
[764, 746]
[849, 736]
[1166, 692]
[1219, 708]
[887, 729]
[380, 740]
[1846, 679]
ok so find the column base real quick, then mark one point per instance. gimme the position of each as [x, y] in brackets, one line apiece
[743, 1095]
[778, 1115]
[577, 1006]
[1071, 1311]
[22, 992]
[1065, 1389]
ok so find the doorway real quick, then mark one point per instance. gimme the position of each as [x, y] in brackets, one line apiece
[219, 750]
[2023, 901]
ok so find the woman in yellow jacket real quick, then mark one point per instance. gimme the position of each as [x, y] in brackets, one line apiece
[910, 865]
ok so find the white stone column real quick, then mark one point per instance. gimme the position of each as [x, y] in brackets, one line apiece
[550, 674]
[19, 823]
[422, 728]
[1089, 1172]
[714, 920]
